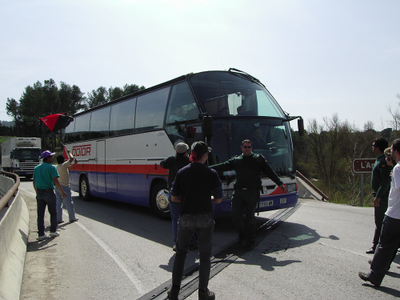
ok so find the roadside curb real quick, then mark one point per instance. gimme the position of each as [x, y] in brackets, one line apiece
[14, 229]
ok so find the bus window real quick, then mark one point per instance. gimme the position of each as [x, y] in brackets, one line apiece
[266, 106]
[122, 118]
[99, 124]
[150, 110]
[82, 127]
[241, 96]
[181, 107]
[69, 132]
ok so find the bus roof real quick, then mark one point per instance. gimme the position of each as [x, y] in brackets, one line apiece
[170, 82]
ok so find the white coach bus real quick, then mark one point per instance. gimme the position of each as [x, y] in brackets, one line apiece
[119, 145]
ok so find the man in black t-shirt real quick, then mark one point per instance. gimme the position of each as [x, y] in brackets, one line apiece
[196, 187]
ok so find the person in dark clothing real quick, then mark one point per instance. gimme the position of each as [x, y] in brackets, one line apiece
[174, 164]
[196, 187]
[258, 142]
[380, 183]
[389, 240]
[248, 167]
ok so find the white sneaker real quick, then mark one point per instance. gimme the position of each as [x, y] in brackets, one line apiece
[43, 237]
[54, 234]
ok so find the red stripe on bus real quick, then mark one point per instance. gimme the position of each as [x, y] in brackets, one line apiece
[132, 169]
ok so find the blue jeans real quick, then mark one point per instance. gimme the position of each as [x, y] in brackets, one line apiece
[203, 225]
[174, 212]
[46, 197]
[68, 203]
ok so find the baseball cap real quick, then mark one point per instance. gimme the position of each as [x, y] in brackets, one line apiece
[181, 147]
[47, 153]
[200, 148]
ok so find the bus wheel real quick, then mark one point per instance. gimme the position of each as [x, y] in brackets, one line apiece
[159, 200]
[84, 191]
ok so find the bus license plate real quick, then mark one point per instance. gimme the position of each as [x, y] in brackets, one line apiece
[283, 200]
[266, 203]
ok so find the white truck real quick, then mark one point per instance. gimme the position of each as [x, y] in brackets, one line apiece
[21, 155]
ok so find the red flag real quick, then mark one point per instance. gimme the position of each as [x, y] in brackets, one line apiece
[56, 122]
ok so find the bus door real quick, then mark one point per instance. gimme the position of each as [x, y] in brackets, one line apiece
[101, 166]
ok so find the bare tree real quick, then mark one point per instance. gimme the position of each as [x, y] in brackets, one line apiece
[395, 116]
[332, 148]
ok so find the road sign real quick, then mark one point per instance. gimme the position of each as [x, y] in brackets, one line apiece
[363, 165]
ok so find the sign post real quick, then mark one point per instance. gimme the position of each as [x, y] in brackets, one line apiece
[363, 166]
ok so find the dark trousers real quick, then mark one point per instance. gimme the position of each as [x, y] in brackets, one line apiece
[203, 225]
[386, 251]
[46, 197]
[379, 214]
[245, 201]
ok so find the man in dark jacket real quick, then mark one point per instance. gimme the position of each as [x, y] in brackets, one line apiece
[174, 164]
[380, 183]
[248, 167]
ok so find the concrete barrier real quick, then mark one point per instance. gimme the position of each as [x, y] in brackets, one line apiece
[14, 230]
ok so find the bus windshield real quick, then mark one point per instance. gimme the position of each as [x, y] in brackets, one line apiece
[271, 138]
[229, 94]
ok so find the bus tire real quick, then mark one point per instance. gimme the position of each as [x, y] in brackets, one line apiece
[159, 200]
[84, 190]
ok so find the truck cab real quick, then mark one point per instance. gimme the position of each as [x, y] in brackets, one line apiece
[21, 155]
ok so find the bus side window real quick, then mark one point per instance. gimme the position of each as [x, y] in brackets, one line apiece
[99, 124]
[181, 106]
[82, 127]
[69, 132]
[150, 110]
[122, 117]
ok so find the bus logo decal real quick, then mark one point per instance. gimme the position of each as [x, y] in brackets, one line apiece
[83, 150]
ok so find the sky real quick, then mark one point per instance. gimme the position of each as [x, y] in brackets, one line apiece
[317, 57]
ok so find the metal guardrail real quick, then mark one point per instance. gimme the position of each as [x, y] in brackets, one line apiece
[11, 192]
[324, 197]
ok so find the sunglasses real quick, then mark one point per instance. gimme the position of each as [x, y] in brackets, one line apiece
[246, 147]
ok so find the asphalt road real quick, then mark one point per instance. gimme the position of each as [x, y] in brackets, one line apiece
[121, 251]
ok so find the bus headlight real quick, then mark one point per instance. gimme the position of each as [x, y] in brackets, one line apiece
[291, 187]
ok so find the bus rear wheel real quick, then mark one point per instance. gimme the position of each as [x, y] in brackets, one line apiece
[159, 200]
[84, 190]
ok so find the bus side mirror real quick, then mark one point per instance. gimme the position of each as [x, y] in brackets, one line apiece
[11, 155]
[300, 126]
[207, 126]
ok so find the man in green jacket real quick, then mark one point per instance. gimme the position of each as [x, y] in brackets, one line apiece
[380, 183]
[248, 167]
